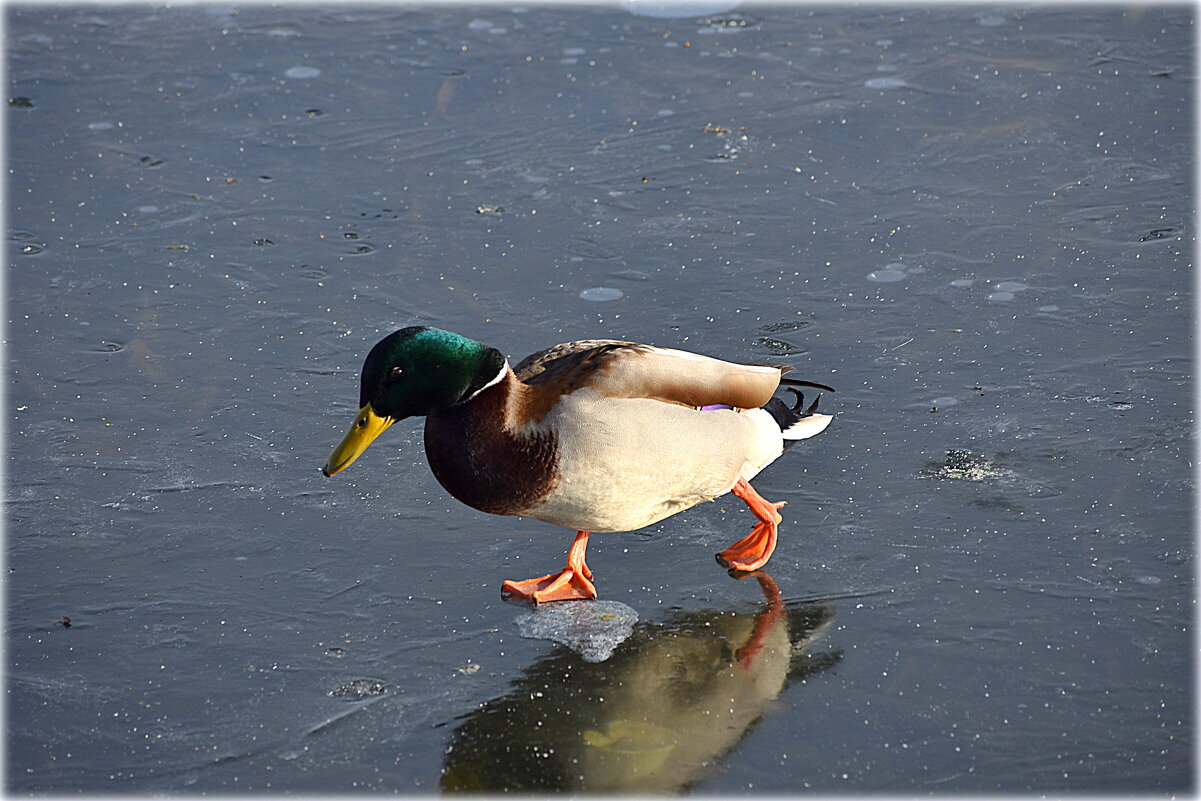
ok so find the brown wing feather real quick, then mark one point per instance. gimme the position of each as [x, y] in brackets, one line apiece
[567, 357]
[631, 370]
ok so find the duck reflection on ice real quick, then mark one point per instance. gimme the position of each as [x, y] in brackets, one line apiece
[654, 718]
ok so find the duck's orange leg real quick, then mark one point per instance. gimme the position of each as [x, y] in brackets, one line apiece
[569, 584]
[752, 551]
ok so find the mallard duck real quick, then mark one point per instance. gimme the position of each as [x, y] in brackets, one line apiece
[596, 435]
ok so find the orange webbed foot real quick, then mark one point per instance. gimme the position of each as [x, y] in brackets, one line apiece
[570, 584]
[752, 551]
[566, 585]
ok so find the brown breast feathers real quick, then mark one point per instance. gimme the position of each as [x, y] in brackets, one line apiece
[481, 461]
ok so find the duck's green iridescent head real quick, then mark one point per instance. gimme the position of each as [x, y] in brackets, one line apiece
[413, 372]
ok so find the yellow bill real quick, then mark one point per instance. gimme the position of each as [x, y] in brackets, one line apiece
[366, 427]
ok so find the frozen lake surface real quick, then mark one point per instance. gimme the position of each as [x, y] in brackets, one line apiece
[974, 222]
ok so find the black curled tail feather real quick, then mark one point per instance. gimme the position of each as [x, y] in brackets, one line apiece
[800, 382]
[787, 417]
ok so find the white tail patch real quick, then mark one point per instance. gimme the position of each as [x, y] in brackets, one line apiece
[808, 427]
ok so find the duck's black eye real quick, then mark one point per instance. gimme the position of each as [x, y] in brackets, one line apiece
[395, 373]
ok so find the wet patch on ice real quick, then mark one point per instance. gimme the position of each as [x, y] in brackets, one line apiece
[591, 628]
[964, 465]
[358, 689]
